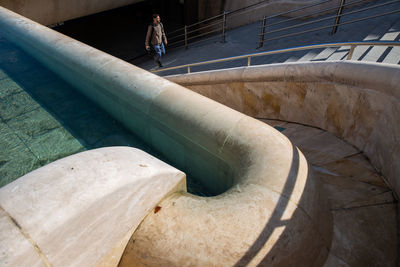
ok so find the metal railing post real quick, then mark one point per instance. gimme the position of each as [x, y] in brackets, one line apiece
[186, 39]
[350, 52]
[188, 69]
[248, 61]
[262, 32]
[338, 15]
[223, 27]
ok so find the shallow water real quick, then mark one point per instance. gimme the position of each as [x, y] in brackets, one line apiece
[43, 118]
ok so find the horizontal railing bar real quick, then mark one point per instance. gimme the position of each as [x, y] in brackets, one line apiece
[181, 41]
[221, 15]
[330, 26]
[198, 29]
[315, 13]
[189, 32]
[208, 19]
[297, 9]
[329, 17]
[297, 33]
[217, 30]
[171, 44]
[191, 25]
[250, 6]
[242, 12]
[198, 41]
[285, 50]
[174, 37]
[180, 29]
[299, 25]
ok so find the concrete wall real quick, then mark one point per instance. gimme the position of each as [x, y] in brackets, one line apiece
[49, 12]
[359, 102]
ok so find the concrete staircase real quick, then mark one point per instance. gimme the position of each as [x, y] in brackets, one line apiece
[244, 40]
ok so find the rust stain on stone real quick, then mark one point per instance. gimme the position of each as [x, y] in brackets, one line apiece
[333, 113]
[298, 90]
[157, 209]
[273, 102]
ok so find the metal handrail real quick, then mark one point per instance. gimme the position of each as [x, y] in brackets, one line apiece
[286, 50]
[190, 32]
[221, 15]
[205, 20]
[330, 26]
[208, 25]
[297, 9]
[330, 17]
[202, 34]
[315, 13]
[263, 32]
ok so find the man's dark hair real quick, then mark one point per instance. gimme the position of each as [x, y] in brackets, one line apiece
[155, 15]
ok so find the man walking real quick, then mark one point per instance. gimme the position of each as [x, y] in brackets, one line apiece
[156, 38]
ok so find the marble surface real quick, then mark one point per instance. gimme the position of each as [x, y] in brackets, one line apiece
[275, 213]
[81, 210]
[246, 164]
[356, 101]
[344, 118]
[363, 207]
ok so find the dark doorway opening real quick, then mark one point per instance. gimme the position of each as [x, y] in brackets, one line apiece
[121, 32]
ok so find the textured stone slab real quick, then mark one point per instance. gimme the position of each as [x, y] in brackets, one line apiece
[32, 124]
[357, 168]
[333, 261]
[8, 86]
[89, 202]
[15, 248]
[16, 104]
[344, 192]
[366, 236]
[324, 148]
[298, 133]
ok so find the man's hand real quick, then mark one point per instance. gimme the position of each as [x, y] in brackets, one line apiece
[147, 47]
[165, 42]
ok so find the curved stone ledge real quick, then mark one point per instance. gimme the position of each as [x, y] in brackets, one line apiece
[274, 211]
[354, 100]
[81, 210]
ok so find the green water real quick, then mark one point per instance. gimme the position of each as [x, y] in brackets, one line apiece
[42, 119]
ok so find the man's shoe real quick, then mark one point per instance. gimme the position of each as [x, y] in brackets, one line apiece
[159, 64]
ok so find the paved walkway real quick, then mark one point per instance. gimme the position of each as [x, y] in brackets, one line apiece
[244, 40]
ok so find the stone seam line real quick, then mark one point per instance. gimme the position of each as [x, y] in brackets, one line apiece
[29, 239]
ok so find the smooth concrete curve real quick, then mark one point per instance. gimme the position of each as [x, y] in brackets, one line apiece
[357, 101]
[48, 12]
[270, 208]
[81, 210]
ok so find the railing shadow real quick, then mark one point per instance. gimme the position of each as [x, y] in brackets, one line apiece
[278, 251]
